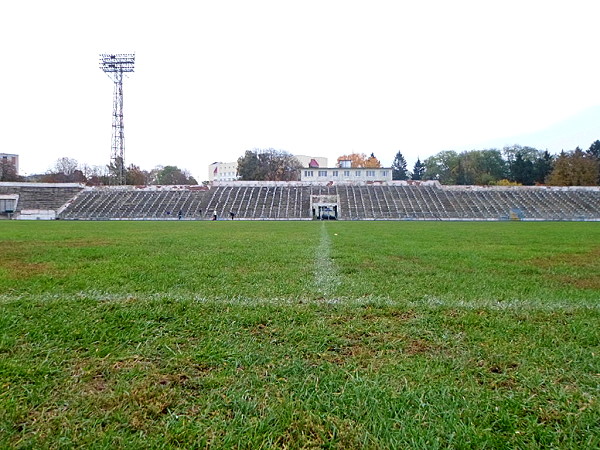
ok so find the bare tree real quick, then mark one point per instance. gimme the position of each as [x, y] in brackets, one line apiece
[66, 166]
[8, 171]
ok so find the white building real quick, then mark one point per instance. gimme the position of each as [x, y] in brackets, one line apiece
[227, 171]
[220, 171]
[346, 174]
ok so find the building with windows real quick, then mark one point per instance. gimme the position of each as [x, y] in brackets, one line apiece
[227, 171]
[11, 158]
[220, 171]
[347, 174]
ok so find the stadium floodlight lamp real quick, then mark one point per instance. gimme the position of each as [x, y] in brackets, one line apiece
[115, 65]
[119, 63]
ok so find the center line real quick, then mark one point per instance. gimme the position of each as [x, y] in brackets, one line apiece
[326, 272]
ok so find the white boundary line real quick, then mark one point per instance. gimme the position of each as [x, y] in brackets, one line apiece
[515, 305]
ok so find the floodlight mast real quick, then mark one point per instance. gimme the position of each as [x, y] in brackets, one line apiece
[115, 65]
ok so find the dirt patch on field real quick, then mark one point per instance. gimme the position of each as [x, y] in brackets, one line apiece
[586, 265]
[404, 258]
[17, 257]
[20, 270]
[419, 347]
[16, 261]
[82, 243]
[587, 259]
[358, 353]
[588, 282]
[400, 315]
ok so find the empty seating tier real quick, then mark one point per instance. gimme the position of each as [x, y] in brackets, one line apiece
[292, 201]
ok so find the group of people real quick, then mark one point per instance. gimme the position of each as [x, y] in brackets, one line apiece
[216, 216]
[179, 214]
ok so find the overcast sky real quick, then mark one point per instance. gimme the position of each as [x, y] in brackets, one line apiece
[318, 78]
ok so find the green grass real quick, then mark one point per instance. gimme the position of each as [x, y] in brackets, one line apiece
[299, 335]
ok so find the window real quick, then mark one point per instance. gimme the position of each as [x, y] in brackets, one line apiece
[370, 173]
[384, 173]
[308, 173]
[357, 173]
[346, 173]
[334, 173]
[322, 173]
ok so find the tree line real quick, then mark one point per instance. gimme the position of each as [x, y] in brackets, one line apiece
[69, 170]
[513, 165]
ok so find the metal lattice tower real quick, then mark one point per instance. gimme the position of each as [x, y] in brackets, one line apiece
[115, 66]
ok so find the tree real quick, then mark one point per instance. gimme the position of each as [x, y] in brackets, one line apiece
[522, 171]
[66, 166]
[594, 149]
[136, 176]
[480, 167]
[528, 165]
[527, 153]
[542, 167]
[248, 167]
[399, 171]
[8, 171]
[170, 175]
[268, 165]
[65, 170]
[594, 152]
[116, 171]
[418, 170]
[95, 175]
[372, 162]
[575, 168]
[360, 160]
[442, 167]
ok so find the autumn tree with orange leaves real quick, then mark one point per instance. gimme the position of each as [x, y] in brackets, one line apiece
[360, 160]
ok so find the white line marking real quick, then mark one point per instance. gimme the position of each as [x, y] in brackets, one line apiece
[327, 277]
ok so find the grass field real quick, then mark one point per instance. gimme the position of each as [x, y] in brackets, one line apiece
[299, 335]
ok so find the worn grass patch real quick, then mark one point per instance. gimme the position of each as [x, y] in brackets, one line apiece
[228, 334]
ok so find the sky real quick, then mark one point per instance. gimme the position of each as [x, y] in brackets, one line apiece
[320, 78]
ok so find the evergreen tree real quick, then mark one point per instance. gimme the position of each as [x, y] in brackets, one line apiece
[418, 170]
[399, 171]
[542, 167]
[594, 150]
[522, 170]
[576, 168]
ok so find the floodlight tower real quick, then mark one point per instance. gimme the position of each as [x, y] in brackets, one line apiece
[115, 66]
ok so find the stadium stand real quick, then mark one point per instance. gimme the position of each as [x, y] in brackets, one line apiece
[306, 201]
[48, 197]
